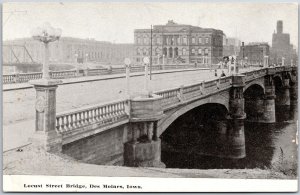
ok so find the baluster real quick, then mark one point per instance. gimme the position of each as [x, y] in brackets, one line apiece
[57, 124]
[87, 118]
[120, 109]
[110, 112]
[78, 119]
[70, 121]
[101, 114]
[88, 114]
[74, 120]
[104, 116]
[67, 123]
[82, 118]
[96, 116]
[116, 111]
[64, 122]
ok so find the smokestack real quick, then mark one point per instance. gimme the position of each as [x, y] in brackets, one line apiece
[279, 27]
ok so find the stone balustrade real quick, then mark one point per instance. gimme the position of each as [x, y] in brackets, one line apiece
[25, 77]
[102, 114]
[10, 78]
[63, 74]
[21, 77]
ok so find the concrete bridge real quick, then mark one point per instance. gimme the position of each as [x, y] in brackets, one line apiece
[127, 131]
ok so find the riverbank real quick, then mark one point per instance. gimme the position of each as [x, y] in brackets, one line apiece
[31, 160]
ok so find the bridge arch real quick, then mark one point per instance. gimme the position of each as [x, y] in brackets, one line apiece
[255, 90]
[259, 82]
[254, 102]
[278, 81]
[175, 114]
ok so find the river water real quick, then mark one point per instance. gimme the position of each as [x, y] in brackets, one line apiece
[267, 146]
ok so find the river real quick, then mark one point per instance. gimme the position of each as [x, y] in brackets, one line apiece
[268, 146]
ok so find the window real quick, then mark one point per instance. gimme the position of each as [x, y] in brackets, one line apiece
[157, 51]
[158, 40]
[138, 40]
[145, 51]
[146, 41]
[193, 51]
[183, 51]
[138, 51]
[184, 40]
[206, 40]
[200, 40]
[178, 40]
[199, 51]
[172, 40]
[206, 51]
[193, 40]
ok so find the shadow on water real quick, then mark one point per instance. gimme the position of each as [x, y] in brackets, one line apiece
[183, 143]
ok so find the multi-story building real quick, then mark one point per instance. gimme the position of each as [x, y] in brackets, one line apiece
[67, 50]
[254, 52]
[231, 46]
[281, 46]
[178, 43]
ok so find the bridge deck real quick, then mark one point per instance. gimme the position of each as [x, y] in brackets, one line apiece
[19, 104]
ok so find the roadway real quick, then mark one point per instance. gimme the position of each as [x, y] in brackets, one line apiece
[19, 105]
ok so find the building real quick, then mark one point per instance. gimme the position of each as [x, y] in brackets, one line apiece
[178, 43]
[66, 50]
[281, 46]
[231, 46]
[254, 53]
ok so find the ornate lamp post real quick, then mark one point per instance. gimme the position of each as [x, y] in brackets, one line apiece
[45, 104]
[282, 61]
[146, 61]
[86, 57]
[46, 34]
[266, 61]
[127, 63]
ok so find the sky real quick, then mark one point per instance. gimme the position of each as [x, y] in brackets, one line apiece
[115, 22]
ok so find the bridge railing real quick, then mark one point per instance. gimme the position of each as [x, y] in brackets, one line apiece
[63, 74]
[102, 114]
[25, 77]
[173, 97]
[253, 74]
[21, 77]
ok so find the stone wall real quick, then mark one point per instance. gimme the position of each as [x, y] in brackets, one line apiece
[102, 148]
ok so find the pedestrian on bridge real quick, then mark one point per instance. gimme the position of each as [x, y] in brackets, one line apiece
[216, 73]
[223, 74]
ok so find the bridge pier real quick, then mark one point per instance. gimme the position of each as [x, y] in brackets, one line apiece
[144, 148]
[283, 96]
[263, 108]
[294, 89]
[231, 138]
